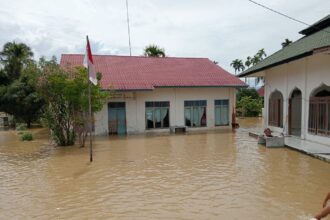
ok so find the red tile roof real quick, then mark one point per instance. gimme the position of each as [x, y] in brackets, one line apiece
[146, 73]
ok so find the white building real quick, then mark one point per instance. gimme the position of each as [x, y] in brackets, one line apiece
[297, 85]
[156, 94]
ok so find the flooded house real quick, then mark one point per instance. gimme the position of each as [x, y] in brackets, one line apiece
[297, 85]
[152, 94]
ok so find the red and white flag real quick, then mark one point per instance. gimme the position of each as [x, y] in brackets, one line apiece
[89, 63]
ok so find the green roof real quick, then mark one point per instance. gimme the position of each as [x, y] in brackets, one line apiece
[296, 50]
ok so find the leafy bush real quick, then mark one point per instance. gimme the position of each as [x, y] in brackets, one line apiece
[248, 103]
[249, 106]
[21, 127]
[244, 92]
[26, 136]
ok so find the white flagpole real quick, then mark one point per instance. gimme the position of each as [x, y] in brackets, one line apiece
[90, 112]
[129, 32]
[90, 120]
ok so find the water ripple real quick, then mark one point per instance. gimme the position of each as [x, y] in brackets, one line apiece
[209, 175]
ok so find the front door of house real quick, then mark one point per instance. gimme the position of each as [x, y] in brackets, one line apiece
[117, 118]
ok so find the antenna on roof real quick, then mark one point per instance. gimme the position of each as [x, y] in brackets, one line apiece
[129, 32]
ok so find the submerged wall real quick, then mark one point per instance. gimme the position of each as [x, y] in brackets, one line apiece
[135, 107]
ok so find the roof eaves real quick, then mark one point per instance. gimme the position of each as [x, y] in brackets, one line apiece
[128, 90]
[247, 72]
[221, 86]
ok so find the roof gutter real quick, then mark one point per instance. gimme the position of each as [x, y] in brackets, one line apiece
[223, 86]
[164, 87]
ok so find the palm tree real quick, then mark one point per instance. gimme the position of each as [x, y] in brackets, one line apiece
[14, 57]
[255, 59]
[237, 64]
[261, 54]
[286, 42]
[154, 51]
[248, 62]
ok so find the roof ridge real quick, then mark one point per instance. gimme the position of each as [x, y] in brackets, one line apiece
[317, 26]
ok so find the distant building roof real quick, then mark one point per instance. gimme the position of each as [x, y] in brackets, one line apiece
[317, 37]
[261, 91]
[147, 73]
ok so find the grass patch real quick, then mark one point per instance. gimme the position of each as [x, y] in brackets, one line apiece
[26, 136]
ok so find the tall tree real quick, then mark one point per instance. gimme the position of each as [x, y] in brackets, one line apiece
[21, 98]
[14, 57]
[66, 92]
[248, 62]
[154, 51]
[261, 54]
[238, 65]
[18, 79]
[255, 59]
[286, 42]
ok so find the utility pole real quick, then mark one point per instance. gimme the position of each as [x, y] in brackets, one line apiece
[129, 32]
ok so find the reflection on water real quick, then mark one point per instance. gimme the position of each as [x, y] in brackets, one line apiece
[213, 175]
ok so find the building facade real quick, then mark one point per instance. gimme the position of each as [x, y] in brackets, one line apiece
[163, 108]
[295, 105]
[158, 94]
[297, 85]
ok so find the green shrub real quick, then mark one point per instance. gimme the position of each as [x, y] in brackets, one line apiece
[20, 127]
[26, 136]
[249, 106]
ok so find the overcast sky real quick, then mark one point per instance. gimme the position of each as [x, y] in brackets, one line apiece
[220, 30]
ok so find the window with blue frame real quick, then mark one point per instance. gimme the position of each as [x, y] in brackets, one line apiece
[221, 110]
[195, 113]
[157, 115]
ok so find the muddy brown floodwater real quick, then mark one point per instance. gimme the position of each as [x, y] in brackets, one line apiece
[212, 175]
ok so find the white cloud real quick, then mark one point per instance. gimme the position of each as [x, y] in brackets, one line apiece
[220, 30]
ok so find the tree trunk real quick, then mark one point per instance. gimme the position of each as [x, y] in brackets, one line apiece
[28, 123]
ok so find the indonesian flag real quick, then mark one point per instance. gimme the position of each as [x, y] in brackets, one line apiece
[89, 63]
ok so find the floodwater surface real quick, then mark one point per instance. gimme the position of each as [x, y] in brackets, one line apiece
[208, 175]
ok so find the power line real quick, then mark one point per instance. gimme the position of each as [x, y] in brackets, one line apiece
[280, 13]
[287, 16]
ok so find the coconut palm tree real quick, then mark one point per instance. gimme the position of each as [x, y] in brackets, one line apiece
[255, 59]
[286, 42]
[154, 51]
[248, 62]
[14, 57]
[237, 64]
[261, 54]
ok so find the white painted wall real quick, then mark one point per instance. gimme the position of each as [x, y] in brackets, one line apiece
[135, 107]
[305, 74]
